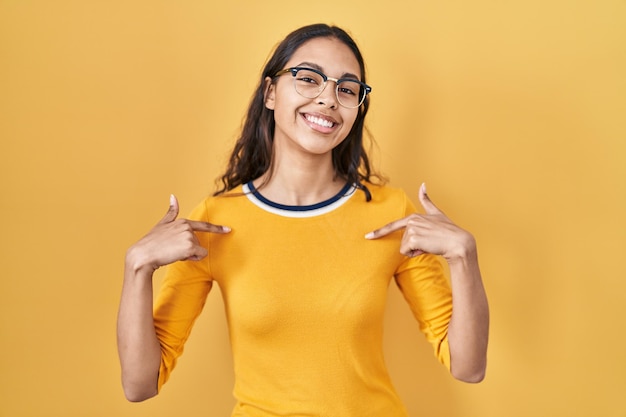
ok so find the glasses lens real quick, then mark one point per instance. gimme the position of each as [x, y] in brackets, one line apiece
[308, 83]
[350, 93]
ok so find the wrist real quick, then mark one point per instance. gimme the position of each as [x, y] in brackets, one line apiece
[464, 251]
[138, 263]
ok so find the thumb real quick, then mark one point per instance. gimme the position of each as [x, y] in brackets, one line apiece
[172, 212]
[428, 205]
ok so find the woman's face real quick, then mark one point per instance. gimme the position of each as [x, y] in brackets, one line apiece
[313, 125]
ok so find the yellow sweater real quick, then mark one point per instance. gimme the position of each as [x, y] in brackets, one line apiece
[304, 295]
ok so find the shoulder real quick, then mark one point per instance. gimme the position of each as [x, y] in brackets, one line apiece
[211, 204]
[392, 200]
[384, 192]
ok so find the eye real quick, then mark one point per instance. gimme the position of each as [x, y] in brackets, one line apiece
[309, 77]
[345, 90]
[307, 80]
[349, 87]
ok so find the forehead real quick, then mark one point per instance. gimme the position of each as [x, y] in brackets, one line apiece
[333, 56]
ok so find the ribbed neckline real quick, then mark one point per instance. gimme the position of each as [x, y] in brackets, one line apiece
[317, 209]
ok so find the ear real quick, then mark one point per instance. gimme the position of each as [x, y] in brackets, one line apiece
[270, 93]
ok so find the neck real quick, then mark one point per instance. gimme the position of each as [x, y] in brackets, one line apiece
[301, 182]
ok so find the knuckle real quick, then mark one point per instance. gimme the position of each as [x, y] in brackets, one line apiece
[188, 249]
[185, 226]
[413, 221]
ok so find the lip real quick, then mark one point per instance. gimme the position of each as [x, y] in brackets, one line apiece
[320, 122]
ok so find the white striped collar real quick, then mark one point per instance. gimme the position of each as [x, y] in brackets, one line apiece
[299, 211]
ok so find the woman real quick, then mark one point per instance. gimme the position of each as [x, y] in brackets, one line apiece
[303, 244]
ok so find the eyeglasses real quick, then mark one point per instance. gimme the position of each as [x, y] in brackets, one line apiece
[310, 83]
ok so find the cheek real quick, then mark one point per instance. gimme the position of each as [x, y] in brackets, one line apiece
[286, 106]
[349, 121]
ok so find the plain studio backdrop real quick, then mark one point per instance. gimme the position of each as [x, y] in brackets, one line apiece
[513, 113]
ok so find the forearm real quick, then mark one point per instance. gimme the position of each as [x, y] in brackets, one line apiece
[138, 346]
[468, 332]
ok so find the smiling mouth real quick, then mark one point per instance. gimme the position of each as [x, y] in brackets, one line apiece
[319, 121]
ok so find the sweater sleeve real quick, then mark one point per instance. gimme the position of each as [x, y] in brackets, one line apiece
[180, 301]
[426, 288]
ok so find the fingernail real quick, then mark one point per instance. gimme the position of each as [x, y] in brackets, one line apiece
[225, 228]
[424, 187]
[172, 200]
[369, 235]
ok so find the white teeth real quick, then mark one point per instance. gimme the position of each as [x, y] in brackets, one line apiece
[319, 121]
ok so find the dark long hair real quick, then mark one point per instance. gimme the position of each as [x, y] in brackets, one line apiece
[252, 155]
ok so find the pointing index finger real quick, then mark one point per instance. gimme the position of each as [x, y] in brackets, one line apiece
[388, 228]
[199, 226]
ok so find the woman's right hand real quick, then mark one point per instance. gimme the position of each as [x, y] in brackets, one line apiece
[170, 240]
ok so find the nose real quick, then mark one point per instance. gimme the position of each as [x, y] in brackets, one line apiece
[328, 96]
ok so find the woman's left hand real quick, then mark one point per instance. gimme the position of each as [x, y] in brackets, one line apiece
[468, 329]
[432, 232]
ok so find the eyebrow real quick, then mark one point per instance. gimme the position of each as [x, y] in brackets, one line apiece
[319, 68]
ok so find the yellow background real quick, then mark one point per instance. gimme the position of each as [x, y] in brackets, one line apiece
[514, 113]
